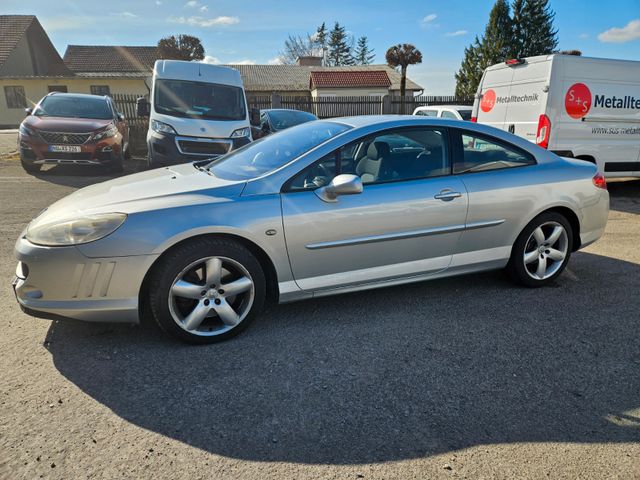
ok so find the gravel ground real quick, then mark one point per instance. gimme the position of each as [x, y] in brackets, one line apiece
[468, 377]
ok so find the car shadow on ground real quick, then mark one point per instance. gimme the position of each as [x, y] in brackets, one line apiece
[385, 375]
[84, 175]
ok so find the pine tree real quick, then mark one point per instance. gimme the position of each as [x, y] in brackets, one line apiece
[536, 33]
[320, 39]
[470, 73]
[495, 46]
[363, 54]
[339, 49]
[497, 40]
[519, 28]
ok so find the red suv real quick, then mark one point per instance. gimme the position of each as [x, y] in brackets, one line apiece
[73, 128]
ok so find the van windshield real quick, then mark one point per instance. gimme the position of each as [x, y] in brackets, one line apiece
[181, 98]
[272, 152]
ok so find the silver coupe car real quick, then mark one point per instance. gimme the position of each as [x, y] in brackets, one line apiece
[326, 207]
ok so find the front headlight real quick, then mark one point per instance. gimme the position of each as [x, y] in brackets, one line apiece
[75, 231]
[110, 131]
[161, 127]
[26, 131]
[241, 132]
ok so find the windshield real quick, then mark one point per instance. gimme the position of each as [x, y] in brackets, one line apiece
[74, 107]
[465, 114]
[281, 119]
[272, 152]
[181, 98]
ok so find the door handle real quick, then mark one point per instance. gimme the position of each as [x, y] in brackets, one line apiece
[447, 195]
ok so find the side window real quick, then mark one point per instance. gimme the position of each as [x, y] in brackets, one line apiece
[402, 154]
[480, 154]
[448, 114]
[396, 155]
[428, 113]
[315, 176]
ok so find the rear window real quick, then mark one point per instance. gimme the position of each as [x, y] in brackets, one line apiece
[465, 114]
[74, 107]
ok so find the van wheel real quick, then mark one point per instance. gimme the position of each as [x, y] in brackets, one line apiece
[541, 251]
[207, 290]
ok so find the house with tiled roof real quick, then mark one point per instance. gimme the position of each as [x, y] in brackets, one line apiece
[30, 67]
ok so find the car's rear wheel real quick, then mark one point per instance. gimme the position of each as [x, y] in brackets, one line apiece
[207, 290]
[541, 251]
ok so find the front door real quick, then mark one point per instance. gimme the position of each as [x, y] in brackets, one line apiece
[406, 222]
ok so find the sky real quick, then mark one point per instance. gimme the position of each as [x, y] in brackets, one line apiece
[237, 31]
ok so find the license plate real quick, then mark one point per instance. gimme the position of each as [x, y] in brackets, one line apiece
[64, 148]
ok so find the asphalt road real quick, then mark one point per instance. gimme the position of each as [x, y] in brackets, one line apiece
[468, 377]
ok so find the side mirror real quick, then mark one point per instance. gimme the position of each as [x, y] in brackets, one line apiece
[120, 117]
[29, 111]
[264, 128]
[142, 107]
[344, 184]
[254, 117]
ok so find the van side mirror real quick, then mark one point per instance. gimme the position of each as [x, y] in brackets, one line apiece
[142, 107]
[254, 117]
[344, 184]
[29, 111]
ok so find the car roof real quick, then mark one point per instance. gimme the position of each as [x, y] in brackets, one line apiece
[284, 110]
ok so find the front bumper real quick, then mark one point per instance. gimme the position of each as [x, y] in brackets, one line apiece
[164, 147]
[104, 152]
[54, 282]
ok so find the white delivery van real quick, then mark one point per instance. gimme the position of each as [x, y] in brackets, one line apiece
[575, 106]
[196, 111]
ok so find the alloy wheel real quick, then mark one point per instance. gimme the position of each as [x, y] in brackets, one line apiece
[211, 296]
[546, 250]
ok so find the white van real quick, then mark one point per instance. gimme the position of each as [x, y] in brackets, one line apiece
[580, 107]
[196, 111]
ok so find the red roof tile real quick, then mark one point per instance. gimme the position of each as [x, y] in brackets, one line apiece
[352, 78]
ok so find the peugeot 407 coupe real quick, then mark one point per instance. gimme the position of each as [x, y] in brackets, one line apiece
[326, 207]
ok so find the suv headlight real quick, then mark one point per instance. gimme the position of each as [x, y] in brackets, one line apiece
[161, 127]
[26, 131]
[110, 131]
[75, 231]
[241, 132]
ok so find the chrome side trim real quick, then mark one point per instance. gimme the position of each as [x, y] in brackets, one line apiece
[402, 235]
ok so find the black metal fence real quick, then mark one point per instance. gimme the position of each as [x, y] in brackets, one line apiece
[322, 107]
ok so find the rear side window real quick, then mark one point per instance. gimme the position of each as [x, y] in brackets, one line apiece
[447, 114]
[477, 153]
[427, 113]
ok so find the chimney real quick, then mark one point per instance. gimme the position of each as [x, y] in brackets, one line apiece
[309, 61]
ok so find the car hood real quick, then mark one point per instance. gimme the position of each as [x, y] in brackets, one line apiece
[158, 189]
[66, 124]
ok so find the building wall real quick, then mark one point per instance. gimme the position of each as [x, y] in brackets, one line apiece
[349, 92]
[36, 88]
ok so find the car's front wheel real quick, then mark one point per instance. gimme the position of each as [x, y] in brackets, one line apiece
[207, 290]
[541, 251]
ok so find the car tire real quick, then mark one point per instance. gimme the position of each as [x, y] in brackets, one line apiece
[117, 164]
[30, 167]
[127, 153]
[541, 251]
[188, 286]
